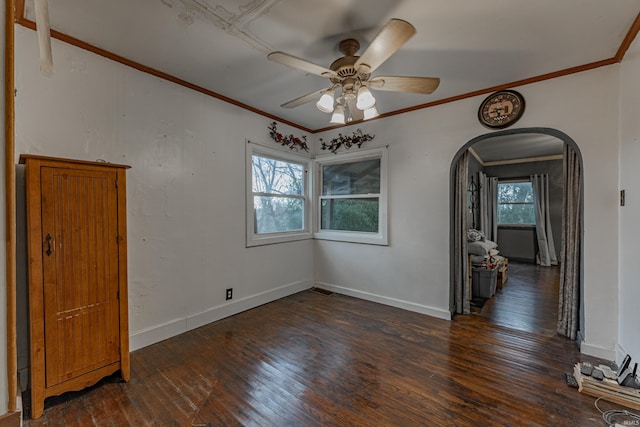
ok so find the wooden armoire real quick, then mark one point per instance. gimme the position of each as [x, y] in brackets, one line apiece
[78, 309]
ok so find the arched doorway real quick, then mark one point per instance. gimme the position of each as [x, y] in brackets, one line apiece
[570, 315]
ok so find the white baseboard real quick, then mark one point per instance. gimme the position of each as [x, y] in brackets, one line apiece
[439, 313]
[145, 337]
[598, 351]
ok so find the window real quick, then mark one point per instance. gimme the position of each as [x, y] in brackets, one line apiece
[277, 196]
[352, 198]
[515, 203]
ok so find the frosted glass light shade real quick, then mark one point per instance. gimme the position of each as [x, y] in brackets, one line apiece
[370, 113]
[338, 115]
[365, 99]
[325, 103]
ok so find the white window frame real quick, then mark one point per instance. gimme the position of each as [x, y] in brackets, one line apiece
[533, 203]
[379, 238]
[254, 239]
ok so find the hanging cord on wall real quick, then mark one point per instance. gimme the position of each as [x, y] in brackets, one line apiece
[617, 417]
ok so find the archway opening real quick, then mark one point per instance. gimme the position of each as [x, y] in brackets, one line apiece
[516, 154]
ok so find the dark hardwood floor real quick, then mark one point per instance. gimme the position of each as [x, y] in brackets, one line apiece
[528, 302]
[331, 360]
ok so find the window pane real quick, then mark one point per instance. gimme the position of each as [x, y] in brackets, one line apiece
[515, 203]
[278, 214]
[515, 192]
[516, 214]
[351, 178]
[276, 176]
[350, 214]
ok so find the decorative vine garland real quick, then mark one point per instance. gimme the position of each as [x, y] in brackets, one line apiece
[358, 138]
[290, 141]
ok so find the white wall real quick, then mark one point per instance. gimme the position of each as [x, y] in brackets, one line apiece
[413, 271]
[629, 333]
[185, 190]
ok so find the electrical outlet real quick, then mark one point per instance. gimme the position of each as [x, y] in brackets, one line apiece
[229, 294]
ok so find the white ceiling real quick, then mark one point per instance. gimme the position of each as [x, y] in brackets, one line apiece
[221, 46]
[523, 147]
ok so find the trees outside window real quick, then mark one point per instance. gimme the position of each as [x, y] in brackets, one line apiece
[349, 204]
[277, 197]
[516, 203]
[352, 197]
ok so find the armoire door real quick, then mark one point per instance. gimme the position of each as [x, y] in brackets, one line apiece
[77, 255]
[80, 271]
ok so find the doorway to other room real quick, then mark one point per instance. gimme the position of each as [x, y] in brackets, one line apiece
[515, 202]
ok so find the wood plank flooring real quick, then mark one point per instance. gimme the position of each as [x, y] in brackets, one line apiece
[528, 301]
[317, 360]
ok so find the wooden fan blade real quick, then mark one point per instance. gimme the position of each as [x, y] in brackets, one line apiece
[390, 38]
[300, 64]
[304, 99]
[404, 84]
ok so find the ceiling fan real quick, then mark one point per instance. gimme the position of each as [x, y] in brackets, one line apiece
[350, 75]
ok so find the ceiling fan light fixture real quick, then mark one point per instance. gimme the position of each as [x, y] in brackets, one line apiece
[370, 113]
[325, 103]
[365, 99]
[349, 98]
[338, 115]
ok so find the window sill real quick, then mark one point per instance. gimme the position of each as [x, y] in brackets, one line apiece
[277, 238]
[516, 226]
[352, 237]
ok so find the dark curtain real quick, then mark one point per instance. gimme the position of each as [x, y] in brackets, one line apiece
[461, 283]
[569, 298]
[488, 206]
[546, 250]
